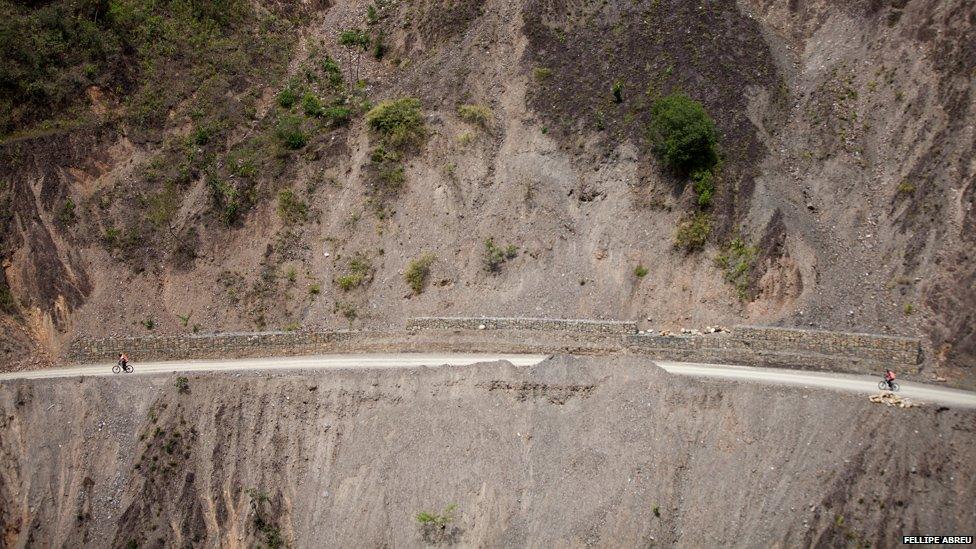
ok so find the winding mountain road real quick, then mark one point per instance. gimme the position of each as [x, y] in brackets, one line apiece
[825, 380]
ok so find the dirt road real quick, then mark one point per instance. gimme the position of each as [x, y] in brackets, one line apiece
[390, 360]
[840, 382]
[834, 381]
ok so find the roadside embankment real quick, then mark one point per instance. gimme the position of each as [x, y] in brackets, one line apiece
[574, 451]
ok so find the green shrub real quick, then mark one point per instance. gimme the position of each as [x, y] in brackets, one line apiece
[291, 134]
[495, 256]
[737, 260]
[354, 38]
[618, 89]
[682, 133]
[182, 385]
[398, 122]
[372, 15]
[311, 105]
[291, 209]
[314, 289]
[640, 271]
[542, 73]
[475, 114]
[693, 231]
[417, 272]
[287, 97]
[442, 519]
[337, 115]
[333, 72]
[704, 185]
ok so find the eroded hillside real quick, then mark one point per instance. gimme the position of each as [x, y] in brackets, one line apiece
[208, 170]
[570, 452]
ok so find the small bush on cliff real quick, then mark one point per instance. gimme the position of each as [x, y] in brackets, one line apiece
[475, 114]
[417, 272]
[182, 385]
[495, 255]
[437, 528]
[398, 122]
[683, 134]
[291, 134]
[693, 231]
[737, 260]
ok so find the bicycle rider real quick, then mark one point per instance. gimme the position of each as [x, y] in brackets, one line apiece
[889, 377]
[123, 360]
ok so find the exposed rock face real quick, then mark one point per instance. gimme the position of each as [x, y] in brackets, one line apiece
[846, 135]
[566, 453]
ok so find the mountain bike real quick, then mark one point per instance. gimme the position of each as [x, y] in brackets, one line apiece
[118, 368]
[883, 385]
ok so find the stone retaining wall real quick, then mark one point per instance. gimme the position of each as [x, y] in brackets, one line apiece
[607, 327]
[784, 347]
[748, 345]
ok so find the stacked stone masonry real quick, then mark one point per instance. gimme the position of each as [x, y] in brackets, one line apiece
[607, 327]
[748, 345]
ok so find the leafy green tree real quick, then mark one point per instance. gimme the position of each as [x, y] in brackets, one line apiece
[683, 134]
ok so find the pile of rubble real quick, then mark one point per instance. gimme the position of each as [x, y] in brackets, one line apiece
[689, 331]
[891, 399]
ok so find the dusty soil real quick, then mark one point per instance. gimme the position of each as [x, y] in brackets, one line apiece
[571, 452]
[846, 131]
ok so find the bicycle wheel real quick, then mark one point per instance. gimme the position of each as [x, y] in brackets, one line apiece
[883, 385]
[895, 387]
[128, 368]
[116, 369]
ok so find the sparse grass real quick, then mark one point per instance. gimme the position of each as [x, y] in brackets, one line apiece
[475, 114]
[148, 323]
[909, 309]
[640, 271]
[292, 326]
[347, 310]
[291, 209]
[906, 188]
[657, 511]
[542, 73]
[314, 289]
[434, 527]
[357, 272]
[737, 260]
[446, 517]
[417, 272]
[337, 115]
[184, 319]
[693, 231]
[618, 90]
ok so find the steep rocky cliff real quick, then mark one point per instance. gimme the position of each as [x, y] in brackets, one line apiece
[214, 170]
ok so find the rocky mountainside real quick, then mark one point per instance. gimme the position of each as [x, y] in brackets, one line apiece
[571, 452]
[206, 166]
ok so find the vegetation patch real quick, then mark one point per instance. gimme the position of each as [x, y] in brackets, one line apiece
[291, 208]
[398, 123]
[495, 256]
[475, 114]
[683, 134]
[437, 528]
[357, 273]
[737, 261]
[693, 231]
[417, 272]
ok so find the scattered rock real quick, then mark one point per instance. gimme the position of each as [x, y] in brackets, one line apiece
[891, 399]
